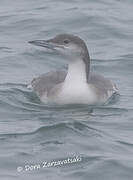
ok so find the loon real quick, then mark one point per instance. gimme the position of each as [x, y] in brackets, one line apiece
[77, 85]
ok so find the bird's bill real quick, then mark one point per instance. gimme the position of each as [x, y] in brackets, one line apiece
[47, 44]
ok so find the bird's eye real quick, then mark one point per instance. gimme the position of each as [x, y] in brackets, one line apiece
[66, 41]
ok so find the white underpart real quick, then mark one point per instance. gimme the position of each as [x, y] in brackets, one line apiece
[75, 89]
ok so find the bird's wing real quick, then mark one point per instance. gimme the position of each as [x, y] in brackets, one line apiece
[46, 81]
[102, 85]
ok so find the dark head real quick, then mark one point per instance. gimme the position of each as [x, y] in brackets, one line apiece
[69, 45]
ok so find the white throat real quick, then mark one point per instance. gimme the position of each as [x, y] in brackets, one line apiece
[76, 73]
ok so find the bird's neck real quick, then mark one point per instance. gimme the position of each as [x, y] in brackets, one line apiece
[76, 72]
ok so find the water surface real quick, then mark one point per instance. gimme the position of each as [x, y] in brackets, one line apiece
[32, 133]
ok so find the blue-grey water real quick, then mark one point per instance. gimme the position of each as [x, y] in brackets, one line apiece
[32, 133]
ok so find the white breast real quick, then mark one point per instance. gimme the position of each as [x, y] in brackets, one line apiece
[74, 94]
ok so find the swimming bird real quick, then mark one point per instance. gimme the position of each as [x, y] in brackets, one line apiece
[77, 85]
